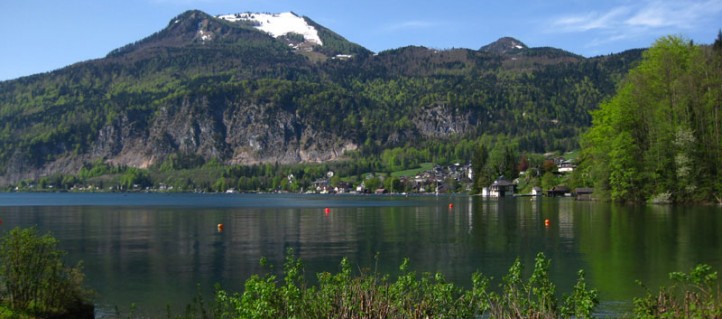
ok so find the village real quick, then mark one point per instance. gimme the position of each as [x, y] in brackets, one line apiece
[551, 179]
[454, 178]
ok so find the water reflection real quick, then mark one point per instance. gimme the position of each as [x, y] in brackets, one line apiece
[623, 244]
[156, 252]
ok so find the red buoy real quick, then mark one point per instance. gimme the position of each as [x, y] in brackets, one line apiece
[451, 205]
[547, 222]
[327, 210]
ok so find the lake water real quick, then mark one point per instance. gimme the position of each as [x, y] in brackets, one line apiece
[154, 250]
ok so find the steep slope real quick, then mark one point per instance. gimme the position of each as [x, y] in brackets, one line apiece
[299, 33]
[217, 89]
[195, 28]
[334, 44]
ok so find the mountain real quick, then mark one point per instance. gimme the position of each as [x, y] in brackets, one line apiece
[504, 45]
[195, 28]
[280, 88]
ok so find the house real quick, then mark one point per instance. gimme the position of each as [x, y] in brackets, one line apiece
[566, 167]
[361, 188]
[583, 193]
[320, 184]
[343, 187]
[559, 191]
[485, 192]
[501, 187]
[537, 191]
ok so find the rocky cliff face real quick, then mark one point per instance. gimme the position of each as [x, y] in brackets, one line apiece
[235, 132]
[442, 121]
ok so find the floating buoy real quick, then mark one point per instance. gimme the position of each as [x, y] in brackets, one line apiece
[327, 210]
[547, 222]
[220, 228]
[451, 205]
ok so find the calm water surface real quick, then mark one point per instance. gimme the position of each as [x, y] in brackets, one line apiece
[154, 250]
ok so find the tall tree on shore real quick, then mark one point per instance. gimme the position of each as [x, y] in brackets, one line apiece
[661, 133]
[481, 178]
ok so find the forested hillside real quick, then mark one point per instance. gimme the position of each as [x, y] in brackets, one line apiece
[659, 138]
[209, 90]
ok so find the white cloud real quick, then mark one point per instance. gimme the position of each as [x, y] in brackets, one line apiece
[636, 20]
[653, 16]
[676, 14]
[590, 21]
[649, 14]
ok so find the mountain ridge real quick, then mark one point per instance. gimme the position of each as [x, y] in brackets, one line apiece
[224, 91]
[350, 47]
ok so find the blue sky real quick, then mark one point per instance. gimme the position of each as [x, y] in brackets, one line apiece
[43, 35]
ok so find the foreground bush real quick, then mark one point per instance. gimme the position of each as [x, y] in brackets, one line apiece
[693, 295]
[410, 295]
[35, 282]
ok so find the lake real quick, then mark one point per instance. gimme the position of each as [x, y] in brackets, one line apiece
[155, 250]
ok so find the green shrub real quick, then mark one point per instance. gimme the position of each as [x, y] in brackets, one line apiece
[536, 298]
[581, 302]
[411, 295]
[33, 278]
[693, 295]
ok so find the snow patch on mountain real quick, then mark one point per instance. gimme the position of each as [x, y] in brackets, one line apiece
[278, 24]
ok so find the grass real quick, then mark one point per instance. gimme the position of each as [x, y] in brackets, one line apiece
[414, 171]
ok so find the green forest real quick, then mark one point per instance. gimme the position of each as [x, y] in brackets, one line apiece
[658, 138]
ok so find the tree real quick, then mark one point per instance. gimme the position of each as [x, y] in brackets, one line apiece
[503, 159]
[661, 133]
[393, 184]
[34, 278]
[135, 177]
[373, 183]
[623, 176]
[478, 167]
[523, 163]
[548, 181]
